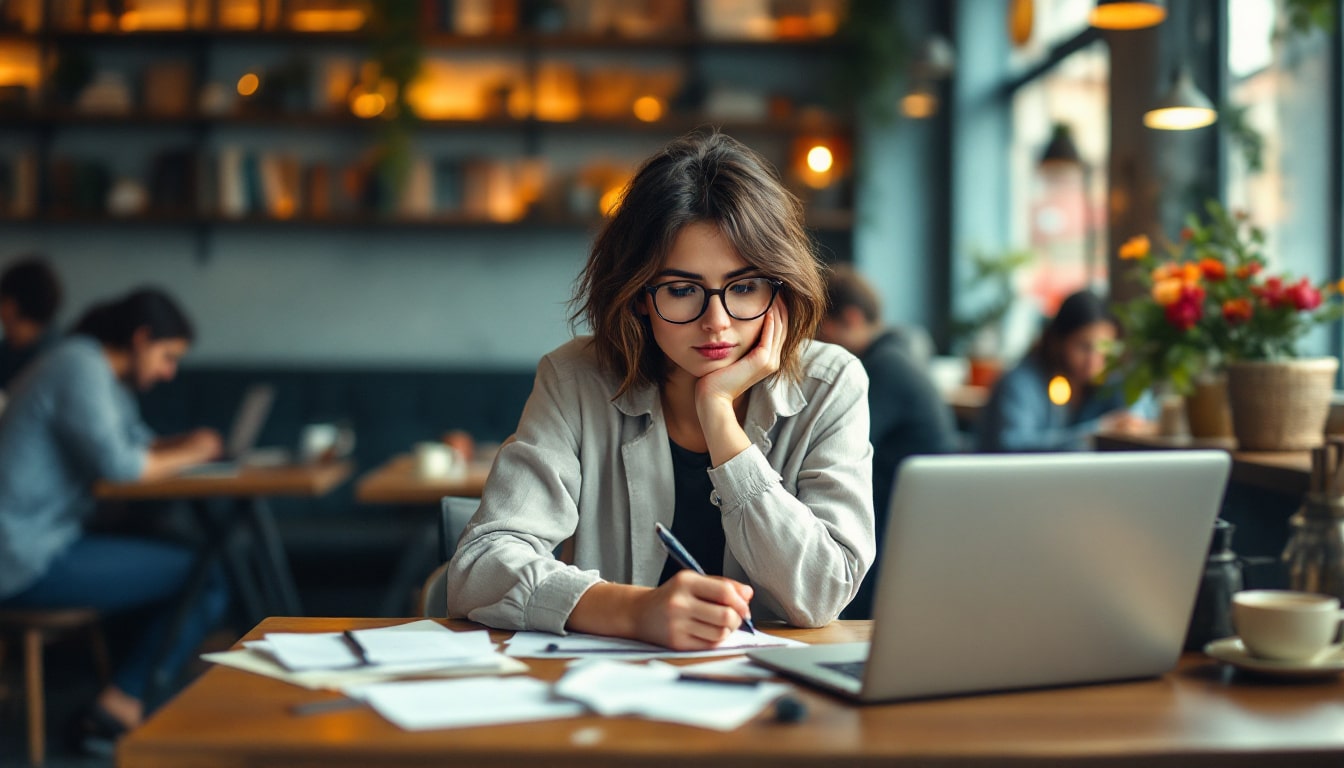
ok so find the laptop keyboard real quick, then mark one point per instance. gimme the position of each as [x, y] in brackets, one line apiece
[852, 669]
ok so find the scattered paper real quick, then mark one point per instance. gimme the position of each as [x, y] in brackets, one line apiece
[537, 645]
[416, 641]
[729, 668]
[655, 691]
[250, 660]
[424, 704]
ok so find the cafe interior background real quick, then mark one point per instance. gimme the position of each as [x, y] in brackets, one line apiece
[380, 207]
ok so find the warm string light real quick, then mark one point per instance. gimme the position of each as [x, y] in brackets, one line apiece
[248, 84]
[1060, 391]
[820, 159]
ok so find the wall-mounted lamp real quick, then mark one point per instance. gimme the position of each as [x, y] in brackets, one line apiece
[1061, 152]
[1127, 14]
[1184, 107]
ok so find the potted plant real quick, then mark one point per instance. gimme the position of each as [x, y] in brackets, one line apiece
[1209, 305]
[979, 334]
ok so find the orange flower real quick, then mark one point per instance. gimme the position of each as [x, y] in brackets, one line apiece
[1236, 311]
[1167, 291]
[1136, 247]
[1248, 270]
[1213, 269]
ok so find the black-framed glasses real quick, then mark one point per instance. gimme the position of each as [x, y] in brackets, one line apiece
[746, 298]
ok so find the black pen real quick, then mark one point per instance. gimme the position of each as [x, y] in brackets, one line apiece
[357, 648]
[677, 552]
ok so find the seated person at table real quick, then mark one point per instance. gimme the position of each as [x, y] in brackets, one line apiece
[701, 402]
[71, 422]
[907, 414]
[30, 294]
[1021, 415]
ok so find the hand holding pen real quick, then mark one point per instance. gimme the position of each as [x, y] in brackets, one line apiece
[677, 552]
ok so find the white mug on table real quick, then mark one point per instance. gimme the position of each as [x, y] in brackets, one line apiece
[1284, 625]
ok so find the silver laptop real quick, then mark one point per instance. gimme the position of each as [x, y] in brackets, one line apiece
[1003, 572]
[252, 413]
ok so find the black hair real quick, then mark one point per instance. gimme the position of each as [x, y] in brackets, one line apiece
[1076, 312]
[32, 285]
[114, 323]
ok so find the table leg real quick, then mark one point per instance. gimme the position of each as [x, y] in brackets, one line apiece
[277, 576]
[418, 558]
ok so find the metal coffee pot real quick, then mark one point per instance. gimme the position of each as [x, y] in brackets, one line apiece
[1314, 555]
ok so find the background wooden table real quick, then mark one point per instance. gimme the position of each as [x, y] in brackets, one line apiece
[1198, 715]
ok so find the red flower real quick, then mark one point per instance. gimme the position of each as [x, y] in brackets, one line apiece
[1188, 309]
[1248, 270]
[1237, 311]
[1302, 295]
[1271, 293]
[1213, 269]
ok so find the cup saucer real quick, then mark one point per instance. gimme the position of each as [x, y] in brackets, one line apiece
[1232, 651]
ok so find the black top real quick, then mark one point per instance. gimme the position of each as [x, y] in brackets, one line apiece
[696, 522]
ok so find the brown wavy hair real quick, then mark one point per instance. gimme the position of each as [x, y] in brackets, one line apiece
[704, 177]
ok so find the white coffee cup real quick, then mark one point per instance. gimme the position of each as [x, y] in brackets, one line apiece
[1284, 625]
[317, 441]
[433, 460]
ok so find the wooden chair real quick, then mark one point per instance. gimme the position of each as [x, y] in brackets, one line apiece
[37, 627]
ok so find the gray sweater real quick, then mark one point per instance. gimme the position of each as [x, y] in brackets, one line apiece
[797, 505]
[69, 423]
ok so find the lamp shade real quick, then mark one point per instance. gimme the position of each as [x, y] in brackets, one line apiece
[1061, 151]
[1127, 14]
[1183, 108]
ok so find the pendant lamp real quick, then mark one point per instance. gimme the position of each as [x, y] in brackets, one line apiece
[1127, 14]
[1183, 108]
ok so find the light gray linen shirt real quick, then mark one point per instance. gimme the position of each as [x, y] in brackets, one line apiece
[797, 505]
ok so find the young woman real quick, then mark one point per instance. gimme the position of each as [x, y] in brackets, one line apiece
[1020, 415]
[72, 421]
[698, 402]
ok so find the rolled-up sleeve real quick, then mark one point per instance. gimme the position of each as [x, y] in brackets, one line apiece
[807, 552]
[504, 573]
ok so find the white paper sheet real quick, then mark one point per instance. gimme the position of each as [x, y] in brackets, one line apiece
[654, 691]
[424, 704]
[538, 645]
[251, 660]
[416, 641]
[729, 668]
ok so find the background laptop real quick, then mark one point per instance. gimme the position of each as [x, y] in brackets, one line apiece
[1017, 571]
[252, 413]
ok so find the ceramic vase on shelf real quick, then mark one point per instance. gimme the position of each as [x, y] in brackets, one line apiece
[1206, 407]
[1280, 405]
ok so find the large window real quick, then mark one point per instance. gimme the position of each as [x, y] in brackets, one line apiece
[1279, 172]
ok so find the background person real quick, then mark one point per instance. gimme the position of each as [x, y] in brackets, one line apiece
[907, 414]
[699, 402]
[1020, 415]
[71, 421]
[30, 295]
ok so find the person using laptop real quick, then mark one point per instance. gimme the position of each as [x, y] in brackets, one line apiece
[907, 415]
[1054, 399]
[71, 422]
[699, 402]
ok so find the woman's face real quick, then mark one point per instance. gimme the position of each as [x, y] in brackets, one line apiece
[715, 340]
[1084, 351]
[153, 360]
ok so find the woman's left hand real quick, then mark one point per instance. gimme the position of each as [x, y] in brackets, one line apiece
[730, 383]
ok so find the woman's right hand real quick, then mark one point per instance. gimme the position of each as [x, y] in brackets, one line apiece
[691, 612]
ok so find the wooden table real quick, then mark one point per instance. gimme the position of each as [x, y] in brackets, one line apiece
[248, 489]
[1282, 471]
[1201, 714]
[967, 401]
[397, 483]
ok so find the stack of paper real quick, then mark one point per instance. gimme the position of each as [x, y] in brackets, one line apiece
[656, 691]
[332, 660]
[541, 645]
[422, 704]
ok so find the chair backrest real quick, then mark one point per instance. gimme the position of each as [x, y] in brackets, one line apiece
[454, 514]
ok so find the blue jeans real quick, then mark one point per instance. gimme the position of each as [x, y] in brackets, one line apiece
[112, 574]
